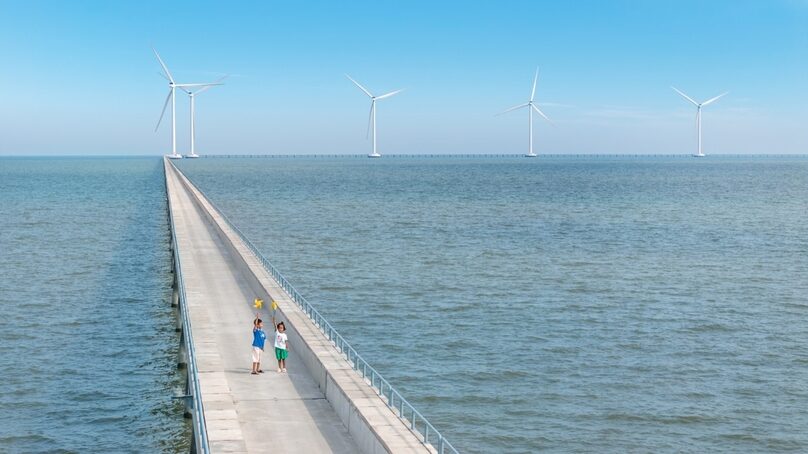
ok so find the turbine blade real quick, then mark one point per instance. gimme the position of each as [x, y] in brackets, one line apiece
[165, 68]
[712, 100]
[360, 86]
[535, 78]
[206, 88]
[685, 96]
[165, 105]
[203, 87]
[163, 76]
[370, 119]
[542, 114]
[197, 85]
[514, 108]
[387, 95]
[218, 82]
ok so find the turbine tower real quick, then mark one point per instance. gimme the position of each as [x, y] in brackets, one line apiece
[531, 106]
[372, 117]
[699, 154]
[192, 94]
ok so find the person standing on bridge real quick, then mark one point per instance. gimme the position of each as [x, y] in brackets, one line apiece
[281, 346]
[259, 337]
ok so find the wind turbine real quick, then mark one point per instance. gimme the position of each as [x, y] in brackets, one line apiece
[192, 94]
[698, 114]
[372, 117]
[172, 86]
[531, 106]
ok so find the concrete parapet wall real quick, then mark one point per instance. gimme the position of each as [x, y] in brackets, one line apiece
[370, 421]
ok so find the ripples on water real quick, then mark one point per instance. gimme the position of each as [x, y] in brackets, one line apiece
[560, 304]
[88, 351]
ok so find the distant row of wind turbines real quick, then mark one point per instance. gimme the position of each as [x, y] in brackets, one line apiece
[531, 106]
[196, 88]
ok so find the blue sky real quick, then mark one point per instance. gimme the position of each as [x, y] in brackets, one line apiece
[80, 77]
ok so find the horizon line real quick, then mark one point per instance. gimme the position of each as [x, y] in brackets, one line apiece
[403, 155]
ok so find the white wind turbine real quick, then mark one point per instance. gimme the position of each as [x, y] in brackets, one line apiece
[698, 114]
[531, 106]
[372, 118]
[171, 97]
[192, 94]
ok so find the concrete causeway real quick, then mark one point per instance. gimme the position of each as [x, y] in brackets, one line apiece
[320, 406]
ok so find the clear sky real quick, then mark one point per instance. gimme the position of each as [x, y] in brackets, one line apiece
[79, 77]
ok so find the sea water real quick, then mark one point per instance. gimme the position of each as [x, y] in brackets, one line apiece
[567, 304]
[88, 349]
[551, 304]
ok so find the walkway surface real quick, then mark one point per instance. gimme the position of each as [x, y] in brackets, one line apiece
[270, 412]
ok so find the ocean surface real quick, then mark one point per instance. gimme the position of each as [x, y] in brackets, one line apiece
[561, 304]
[88, 351]
[557, 304]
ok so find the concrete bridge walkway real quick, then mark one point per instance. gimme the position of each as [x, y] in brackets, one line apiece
[270, 412]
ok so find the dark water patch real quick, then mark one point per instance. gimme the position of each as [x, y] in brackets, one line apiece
[91, 332]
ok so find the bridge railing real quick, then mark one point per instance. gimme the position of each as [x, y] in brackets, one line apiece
[200, 433]
[416, 421]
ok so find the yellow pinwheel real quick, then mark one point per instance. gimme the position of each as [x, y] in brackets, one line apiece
[258, 303]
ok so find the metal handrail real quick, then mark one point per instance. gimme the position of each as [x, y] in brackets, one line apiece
[200, 427]
[416, 421]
